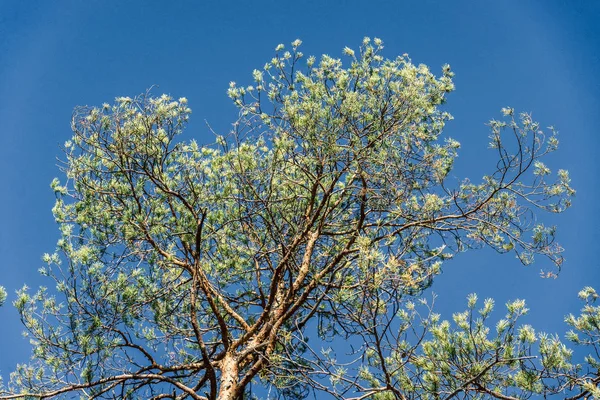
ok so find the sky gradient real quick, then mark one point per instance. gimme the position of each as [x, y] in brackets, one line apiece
[536, 56]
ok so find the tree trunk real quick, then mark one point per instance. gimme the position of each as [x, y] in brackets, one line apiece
[229, 379]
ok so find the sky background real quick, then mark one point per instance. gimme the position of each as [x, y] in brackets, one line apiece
[537, 56]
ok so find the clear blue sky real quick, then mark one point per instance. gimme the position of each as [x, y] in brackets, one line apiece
[538, 56]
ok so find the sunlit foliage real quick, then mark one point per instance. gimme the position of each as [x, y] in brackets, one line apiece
[203, 271]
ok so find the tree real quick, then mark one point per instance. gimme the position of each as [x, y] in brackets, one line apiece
[190, 271]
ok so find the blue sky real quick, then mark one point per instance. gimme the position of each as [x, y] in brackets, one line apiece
[536, 56]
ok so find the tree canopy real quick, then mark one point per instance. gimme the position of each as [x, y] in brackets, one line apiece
[234, 270]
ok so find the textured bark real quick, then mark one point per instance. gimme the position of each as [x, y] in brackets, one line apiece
[229, 379]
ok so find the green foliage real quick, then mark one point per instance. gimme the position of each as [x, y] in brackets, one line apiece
[199, 270]
[2, 295]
